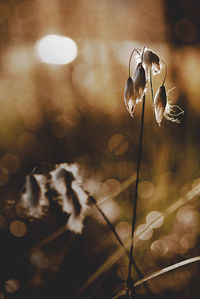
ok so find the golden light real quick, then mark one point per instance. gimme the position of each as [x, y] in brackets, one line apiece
[111, 209]
[56, 49]
[154, 219]
[144, 232]
[123, 229]
[188, 216]
[145, 189]
[18, 228]
[188, 241]
[172, 242]
[159, 248]
[12, 285]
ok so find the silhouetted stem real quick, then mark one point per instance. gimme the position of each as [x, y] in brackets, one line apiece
[151, 84]
[130, 281]
[110, 225]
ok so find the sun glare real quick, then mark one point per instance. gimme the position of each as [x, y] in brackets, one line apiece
[56, 49]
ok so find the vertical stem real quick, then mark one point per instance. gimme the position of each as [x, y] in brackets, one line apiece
[112, 228]
[129, 281]
[110, 225]
[151, 83]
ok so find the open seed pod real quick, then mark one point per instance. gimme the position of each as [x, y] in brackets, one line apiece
[160, 102]
[66, 182]
[150, 59]
[129, 99]
[139, 80]
[34, 199]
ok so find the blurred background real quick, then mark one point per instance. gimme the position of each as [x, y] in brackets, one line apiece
[64, 103]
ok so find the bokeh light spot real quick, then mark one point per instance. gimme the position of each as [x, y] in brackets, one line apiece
[154, 219]
[123, 229]
[111, 184]
[188, 241]
[145, 189]
[11, 286]
[159, 248]
[188, 216]
[111, 209]
[144, 232]
[118, 144]
[56, 49]
[18, 228]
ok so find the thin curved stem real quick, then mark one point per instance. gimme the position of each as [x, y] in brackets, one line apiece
[161, 272]
[129, 282]
[151, 84]
[110, 225]
[165, 72]
[129, 63]
[143, 53]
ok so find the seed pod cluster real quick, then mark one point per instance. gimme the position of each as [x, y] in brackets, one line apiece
[67, 189]
[149, 64]
[134, 87]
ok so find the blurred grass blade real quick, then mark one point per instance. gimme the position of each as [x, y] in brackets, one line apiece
[160, 272]
[115, 192]
[167, 269]
[191, 195]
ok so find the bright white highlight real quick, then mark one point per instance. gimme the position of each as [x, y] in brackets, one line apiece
[56, 49]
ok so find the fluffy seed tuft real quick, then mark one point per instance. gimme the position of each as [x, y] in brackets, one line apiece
[34, 199]
[65, 180]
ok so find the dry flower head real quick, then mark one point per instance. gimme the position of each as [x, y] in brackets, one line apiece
[149, 64]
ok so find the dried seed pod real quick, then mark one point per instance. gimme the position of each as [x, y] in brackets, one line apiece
[139, 80]
[34, 198]
[150, 58]
[129, 99]
[33, 191]
[160, 102]
[65, 180]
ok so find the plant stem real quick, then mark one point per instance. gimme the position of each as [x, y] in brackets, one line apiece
[151, 84]
[110, 225]
[129, 281]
